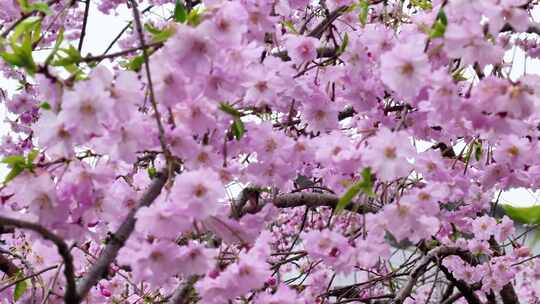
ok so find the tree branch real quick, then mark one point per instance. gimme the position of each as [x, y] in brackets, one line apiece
[110, 252]
[28, 277]
[138, 26]
[22, 18]
[313, 200]
[7, 266]
[70, 295]
[181, 295]
[85, 22]
[420, 268]
[321, 27]
[465, 290]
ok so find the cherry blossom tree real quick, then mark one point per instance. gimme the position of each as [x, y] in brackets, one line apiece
[269, 151]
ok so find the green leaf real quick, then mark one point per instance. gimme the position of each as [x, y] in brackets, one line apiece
[31, 157]
[45, 106]
[364, 11]
[12, 59]
[56, 47]
[423, 4]
[135, 63]
[288, 24]
[442, 17]
[21, 44]
[238, 128]
[69, 56]
[525, 215]
[18, 164]
[478, 151]
[152, 172]
[227, 108]
[194, 16]
[20, 289]
[159, 35]
[344, 44]
[34, 7]
[459, 75]
[15, 171]
[365, 186]
[27, 25]
[439, 27]
[180, 12]
[14, 160]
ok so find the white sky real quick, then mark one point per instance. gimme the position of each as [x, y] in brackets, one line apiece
[102, 29]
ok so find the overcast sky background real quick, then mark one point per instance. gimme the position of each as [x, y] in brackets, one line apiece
[102, 29]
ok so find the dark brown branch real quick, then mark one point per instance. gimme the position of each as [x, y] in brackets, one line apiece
[324, 52]
[435, 255]
[325, 24]
[181, 295]
[121, 53]
[531, 29]
[453, 298]
[85, 22]
[119, 238]
[70, 295]
[7, 266]
[249, 202]
[508, 294]
[314, 200]
[29, 277]
[468, 292]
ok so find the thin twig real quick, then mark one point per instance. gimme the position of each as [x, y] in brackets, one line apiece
[70, 295]
[138, 26]
[85, 22]
[27, 277]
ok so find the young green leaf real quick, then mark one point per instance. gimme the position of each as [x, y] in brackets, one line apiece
[227, 108]
[439, 27]
[423, 4]
[344, 44]
[135, 63]
[194, 16]
[31, 157]
[56, 47]
[14, 160]
[478, 151]
[238, 128]
[69, 56]
[34, 7]
[525, 215]
[28, 25]
[180, 12]
[20, 289]
[45, 106]
[152, 172]
[364, 12]
[288, 24]
[365, 186]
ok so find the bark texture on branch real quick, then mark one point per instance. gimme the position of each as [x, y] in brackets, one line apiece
[181, 295]
[110, 252]
[7, 266]
[313, 200]
[436, 255]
